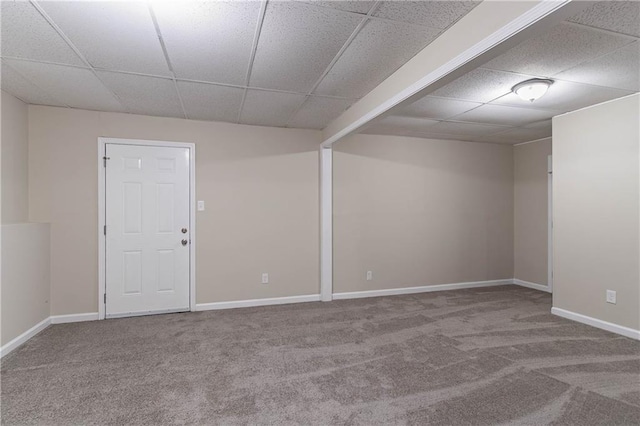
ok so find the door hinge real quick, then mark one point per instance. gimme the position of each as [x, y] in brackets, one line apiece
[104, 230]
[104, 160]
[105, 298]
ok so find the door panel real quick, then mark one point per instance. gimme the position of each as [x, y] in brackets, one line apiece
[147, 207]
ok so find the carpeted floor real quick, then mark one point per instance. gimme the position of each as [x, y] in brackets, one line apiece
[481, 356]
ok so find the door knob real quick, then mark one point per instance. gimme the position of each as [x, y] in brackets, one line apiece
[184, 230]
[184, 242]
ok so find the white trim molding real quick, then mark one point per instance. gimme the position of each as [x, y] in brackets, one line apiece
[21, 339]
[550, 221]
[64, 319]
[257, 302]
[594, 322]
[54, 319]
[419, 289]
[533, 141]
[534, 286]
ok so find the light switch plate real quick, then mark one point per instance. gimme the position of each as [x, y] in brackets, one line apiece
[200, 206]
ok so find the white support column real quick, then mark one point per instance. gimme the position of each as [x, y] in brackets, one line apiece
[326, 224]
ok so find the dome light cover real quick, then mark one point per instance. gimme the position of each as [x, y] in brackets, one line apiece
[533, 89]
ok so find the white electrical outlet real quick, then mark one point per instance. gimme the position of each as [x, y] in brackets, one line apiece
[611, 296]
[265, 278]
[200, 206]
[369, 275]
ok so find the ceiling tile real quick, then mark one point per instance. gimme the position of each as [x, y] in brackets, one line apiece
[438, 108]
[262, 108]
[360, 6]
[111, 35]
[14, 83]
[620, 69]
[381, 129]
[562, 47]
[317, 112]
[210, 102]
[481, 85]
[544, 124]
[398, 125]
[521, 134]
[360, 69]
[435, 14]
[297, 43]
[209, 41]
[145, 95]
[504, 115]
[431, 135]
[565, 96]
[465, 129]
[26, 34]
[618, 16]
[511, 137]
[75, 87]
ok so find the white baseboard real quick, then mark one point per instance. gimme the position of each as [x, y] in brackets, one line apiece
[63, 319]
[93, 316]
[594, 322]
[13, 344]
[420, 289]
[534, 286]
[257, 302]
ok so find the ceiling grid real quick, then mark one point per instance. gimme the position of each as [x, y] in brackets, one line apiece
[327, 105]
[254, 47]
[22, 81]
[301, 64]
[166, 57]
[71, 45]
[588, 65]
[344, 47]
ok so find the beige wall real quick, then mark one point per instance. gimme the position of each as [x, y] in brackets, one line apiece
[25, 277]
[596, 203]
[14, 160]
[530, 211]
[260, 186]
[421, 212]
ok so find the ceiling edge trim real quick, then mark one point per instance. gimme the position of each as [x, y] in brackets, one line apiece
[533, 141]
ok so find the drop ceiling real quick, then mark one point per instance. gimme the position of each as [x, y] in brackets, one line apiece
[276, 63]
[301, 64]
[592, 57]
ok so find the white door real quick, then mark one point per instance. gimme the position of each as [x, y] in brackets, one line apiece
[147, 229]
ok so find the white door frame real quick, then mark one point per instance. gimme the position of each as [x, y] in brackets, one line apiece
[550, 223]
[102, 141]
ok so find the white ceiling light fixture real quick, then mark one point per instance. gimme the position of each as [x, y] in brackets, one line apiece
[533, 89]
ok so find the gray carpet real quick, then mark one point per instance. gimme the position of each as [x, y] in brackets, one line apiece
[481, 356]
